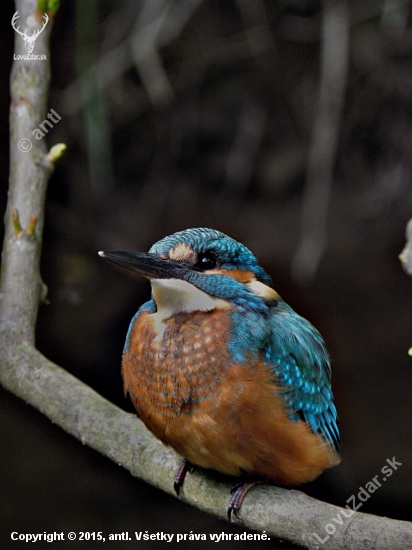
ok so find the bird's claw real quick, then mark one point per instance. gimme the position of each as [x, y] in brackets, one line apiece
[184, 468]
[235, 510]
[238, 494]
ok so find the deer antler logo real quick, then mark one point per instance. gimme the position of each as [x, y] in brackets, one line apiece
[28, 40]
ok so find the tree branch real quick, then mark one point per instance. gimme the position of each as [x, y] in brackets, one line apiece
[325, 133]
[406, 255]
[290, 515]
[21, 286]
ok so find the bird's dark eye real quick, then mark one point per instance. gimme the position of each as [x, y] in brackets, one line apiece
[206, 260]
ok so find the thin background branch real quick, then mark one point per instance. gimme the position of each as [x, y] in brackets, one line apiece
[322, 153]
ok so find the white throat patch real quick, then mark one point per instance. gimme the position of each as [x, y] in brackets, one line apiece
[177, 296]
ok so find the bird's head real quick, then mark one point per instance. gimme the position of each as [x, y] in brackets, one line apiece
[200, 269]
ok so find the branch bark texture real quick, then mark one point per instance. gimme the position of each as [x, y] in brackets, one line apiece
[21, 287]
[289, 515]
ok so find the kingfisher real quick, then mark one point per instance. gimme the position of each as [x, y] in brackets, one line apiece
[221, 369]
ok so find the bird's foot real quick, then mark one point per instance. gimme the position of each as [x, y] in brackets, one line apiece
[238, 494]
[180, 475]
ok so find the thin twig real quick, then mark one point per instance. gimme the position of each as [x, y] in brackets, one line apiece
[326, 127]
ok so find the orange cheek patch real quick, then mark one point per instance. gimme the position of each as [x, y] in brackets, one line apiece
[248, 278]
[238, 274]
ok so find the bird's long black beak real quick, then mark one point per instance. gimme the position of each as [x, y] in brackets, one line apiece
[149, 265]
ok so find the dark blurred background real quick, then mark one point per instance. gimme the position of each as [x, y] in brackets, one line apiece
[286, 124]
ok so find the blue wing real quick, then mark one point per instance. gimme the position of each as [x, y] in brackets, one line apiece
[296, 352]
[298, 355]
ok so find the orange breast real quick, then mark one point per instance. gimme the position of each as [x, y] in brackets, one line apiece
[216, 413]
